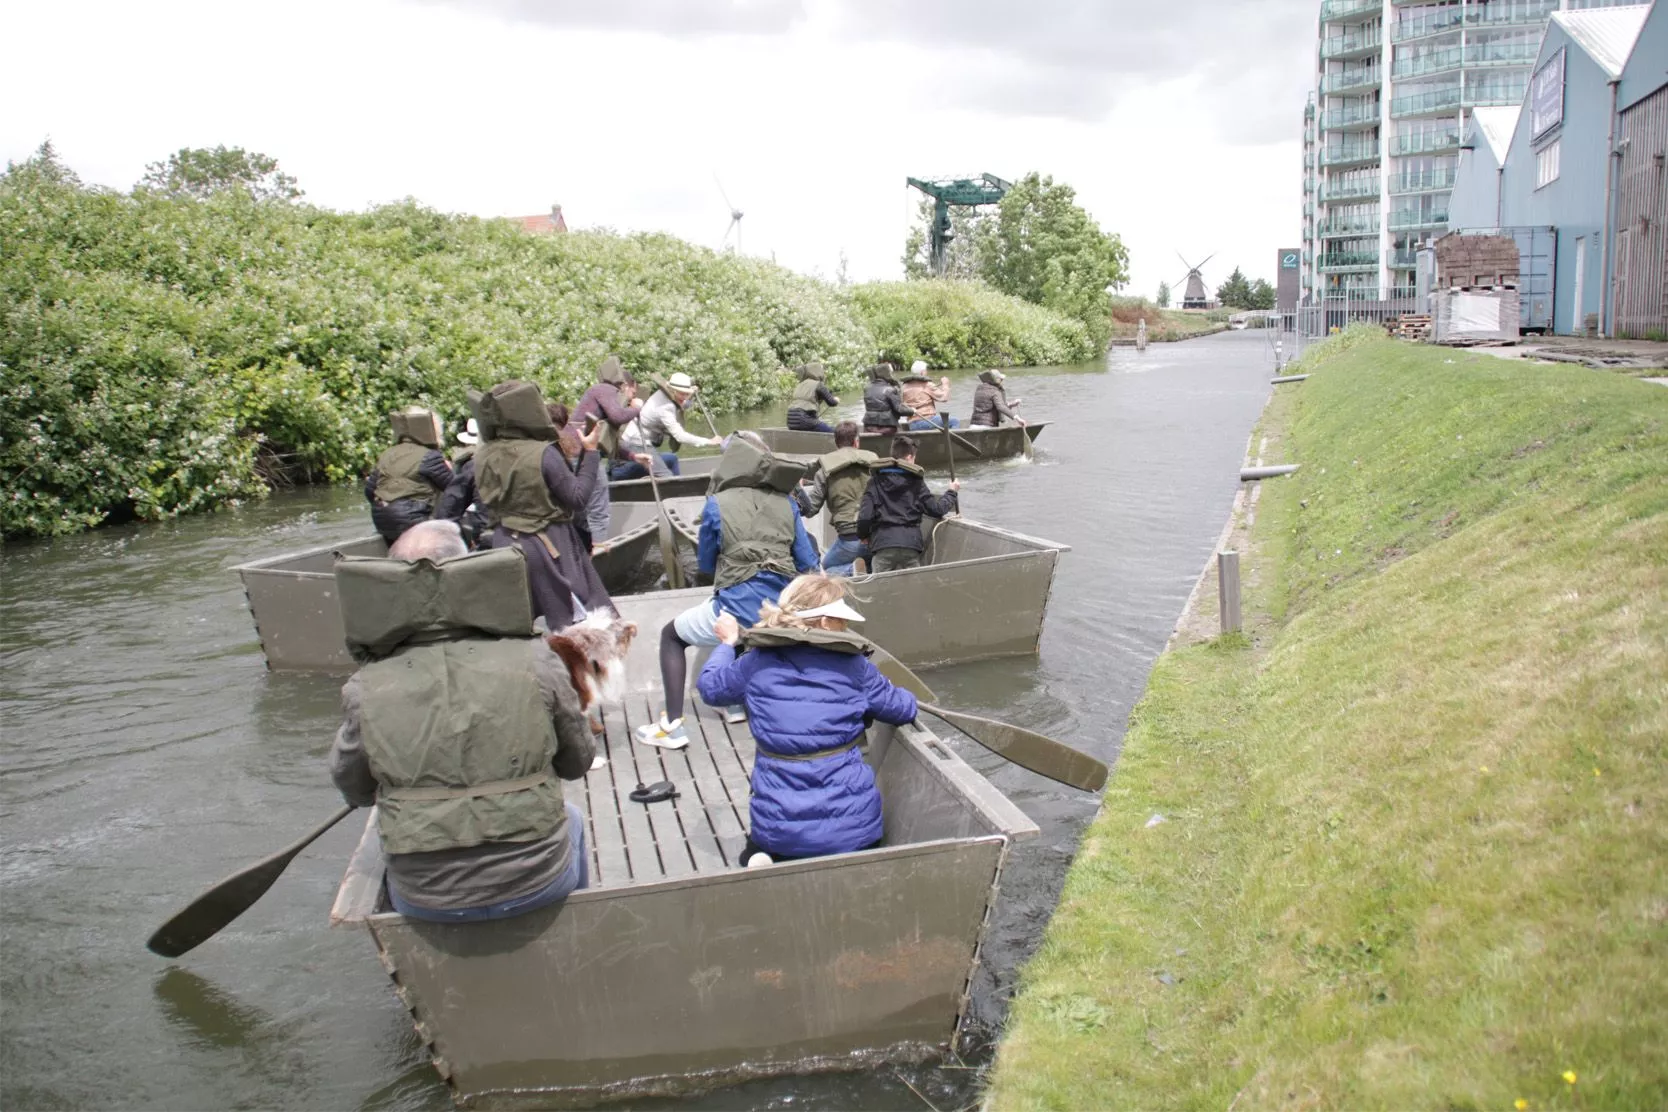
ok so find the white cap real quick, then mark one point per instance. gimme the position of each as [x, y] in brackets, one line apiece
[680, 381]
[470, 433]
[919, 367]
[836, 609]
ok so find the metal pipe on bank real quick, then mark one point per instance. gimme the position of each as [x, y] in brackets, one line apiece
[1247, 474]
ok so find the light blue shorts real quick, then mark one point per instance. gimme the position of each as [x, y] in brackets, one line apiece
[698, 625]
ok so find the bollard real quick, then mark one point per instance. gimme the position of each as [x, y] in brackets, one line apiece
[1288, 378]
[1227, 589]
[1246, 474]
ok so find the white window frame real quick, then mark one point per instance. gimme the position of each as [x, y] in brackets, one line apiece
[1546, 164]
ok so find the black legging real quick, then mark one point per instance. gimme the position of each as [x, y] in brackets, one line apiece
[674, 669]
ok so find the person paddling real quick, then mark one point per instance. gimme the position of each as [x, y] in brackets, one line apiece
[809, 397]
[809, 689]
[838, 481]
[920, 395]
[658, 422]
[991, 403]
[893, 506]
[409, 477]
[883, 407]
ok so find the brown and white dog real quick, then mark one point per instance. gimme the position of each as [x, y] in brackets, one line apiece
[595, 652]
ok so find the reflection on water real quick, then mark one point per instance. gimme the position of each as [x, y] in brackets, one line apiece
[145, 752]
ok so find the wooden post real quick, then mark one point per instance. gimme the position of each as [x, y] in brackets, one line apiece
[1227, 587]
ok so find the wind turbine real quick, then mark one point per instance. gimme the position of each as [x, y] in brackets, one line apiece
[735, 218]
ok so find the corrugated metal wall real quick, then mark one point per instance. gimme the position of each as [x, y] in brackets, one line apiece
[1641, 246]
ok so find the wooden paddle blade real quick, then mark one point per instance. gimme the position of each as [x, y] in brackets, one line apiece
[1028, 749]
[208, 914]
[968, 444]
[895, 670]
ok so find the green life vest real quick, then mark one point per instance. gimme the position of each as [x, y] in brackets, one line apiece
[461, 746]
[805, 396]
[757, 533]
[509, 478]
[782, 637]
[397, 475]
[845, 476]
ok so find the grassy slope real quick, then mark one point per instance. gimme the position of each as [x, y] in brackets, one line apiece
[1417, 842]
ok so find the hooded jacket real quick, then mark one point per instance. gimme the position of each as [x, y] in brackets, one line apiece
[409, 477]
[509, 462]
[883, 406]
[810, 394]
[895, 503]
[751, 539]
[603, 401]
[990, 400]
[808, 694]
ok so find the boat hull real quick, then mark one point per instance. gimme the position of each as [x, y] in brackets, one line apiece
[931, 451]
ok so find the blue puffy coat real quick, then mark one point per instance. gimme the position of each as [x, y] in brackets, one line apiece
[802, 699]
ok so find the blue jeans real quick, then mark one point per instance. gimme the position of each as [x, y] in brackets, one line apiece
[926, 424]
[841, 553]
[576, 876]
[623, 469]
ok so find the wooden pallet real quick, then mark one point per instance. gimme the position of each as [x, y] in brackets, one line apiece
[1412, 326]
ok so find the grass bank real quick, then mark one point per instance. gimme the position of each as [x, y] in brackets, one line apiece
[1162, 324]
[1414, 848]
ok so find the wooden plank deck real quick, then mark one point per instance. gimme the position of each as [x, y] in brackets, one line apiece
[699, 831]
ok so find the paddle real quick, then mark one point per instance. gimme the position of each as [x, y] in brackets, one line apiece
[949, 446]
[711, 424]
[1025, 748]
[966, 443]
[668, 551]
[1025, 443]
[208, 914]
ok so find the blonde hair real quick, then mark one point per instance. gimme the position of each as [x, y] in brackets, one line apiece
[806, 592]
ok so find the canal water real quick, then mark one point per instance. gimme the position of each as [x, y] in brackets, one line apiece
[146, 752]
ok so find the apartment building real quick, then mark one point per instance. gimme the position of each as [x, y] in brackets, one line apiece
[1395, 84]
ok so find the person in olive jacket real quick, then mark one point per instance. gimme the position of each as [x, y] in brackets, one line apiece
[893, 506]
[408, 478]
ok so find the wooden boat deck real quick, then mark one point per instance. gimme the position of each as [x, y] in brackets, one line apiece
[699, 831]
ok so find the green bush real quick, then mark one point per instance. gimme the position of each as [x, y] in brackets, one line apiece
[967, 324]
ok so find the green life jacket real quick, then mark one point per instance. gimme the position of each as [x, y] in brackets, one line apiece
[840, 641]
[805, 396]
[757, 518]
[845, 476]
[887, 461]
[397, 475]
[461, 746]
[509, 480]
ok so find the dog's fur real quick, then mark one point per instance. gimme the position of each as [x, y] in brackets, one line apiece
[594, 651]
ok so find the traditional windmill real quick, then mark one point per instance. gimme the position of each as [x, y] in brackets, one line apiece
[1195, 295]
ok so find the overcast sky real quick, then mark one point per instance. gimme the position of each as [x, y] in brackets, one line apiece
[1177, 123]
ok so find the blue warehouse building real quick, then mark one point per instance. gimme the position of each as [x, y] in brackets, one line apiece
[1554, 171]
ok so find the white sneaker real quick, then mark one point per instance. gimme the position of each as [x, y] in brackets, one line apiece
[760, 858]
[735, 715]
[599, 761]
[666, 735]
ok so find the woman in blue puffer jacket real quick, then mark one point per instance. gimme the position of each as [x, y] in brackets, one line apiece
[809, 688]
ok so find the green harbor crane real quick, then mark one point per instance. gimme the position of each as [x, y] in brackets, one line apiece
[986, 189]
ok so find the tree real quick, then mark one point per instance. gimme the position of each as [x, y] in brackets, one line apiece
[1046, 249]
[1235, 292]
[1163, 295]
[200, 173]
[1262, 295]
[968, 228]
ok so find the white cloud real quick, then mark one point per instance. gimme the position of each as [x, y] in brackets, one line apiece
[1177, 133]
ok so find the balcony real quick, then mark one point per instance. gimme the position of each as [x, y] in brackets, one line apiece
[1500, 54]
[1350, 190]
[1421, 104]
[1350, 226]
[1349, 46]
[1365, 115]
[1367, 77]
[1423, 26]
[1342, 261]
[1507, 94]
[1509, 13]
[1424, 181]
[1425, 143]
[1337, 11]
[1435, 61]
[1407, 219]
[1404, 259]
[1350, 154]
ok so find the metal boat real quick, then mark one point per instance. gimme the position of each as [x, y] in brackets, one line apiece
[676, 971]
[977, 442]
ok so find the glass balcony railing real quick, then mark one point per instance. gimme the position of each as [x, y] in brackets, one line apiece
[1417, 218]
[1349, 260]
[1338, 118]
[1509, 12]
[1419, 26]
[1505, 93]
[1349, 154]
[1351, 189]
[1435, 61]
[1501, 53]
[1404, 259]
[1333, 11]
[1361, 42]
[1425, 142]
[1344, 80]
[1424, 181]
[1418, 104]
[1350, 226]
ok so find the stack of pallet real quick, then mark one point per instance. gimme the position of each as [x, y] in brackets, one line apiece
[1410, 326]
[1471, 262]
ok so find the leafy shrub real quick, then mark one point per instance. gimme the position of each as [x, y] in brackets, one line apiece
[967, 324]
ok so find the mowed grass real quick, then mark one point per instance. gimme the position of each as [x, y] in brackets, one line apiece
[1415, 840]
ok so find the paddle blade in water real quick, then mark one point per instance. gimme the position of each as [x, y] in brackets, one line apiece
[1028, 749]
[209, 913]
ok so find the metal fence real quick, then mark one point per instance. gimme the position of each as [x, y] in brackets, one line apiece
[1310, 324]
